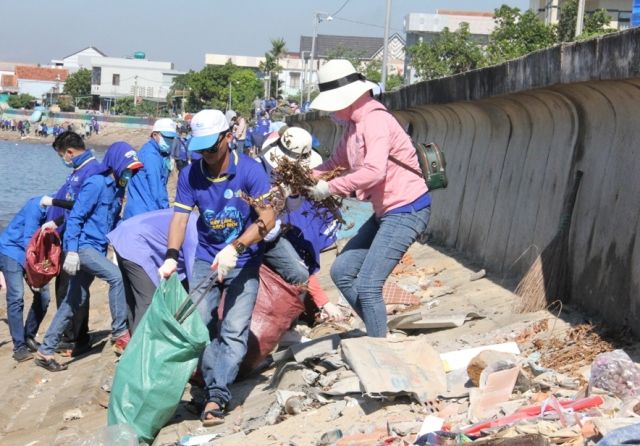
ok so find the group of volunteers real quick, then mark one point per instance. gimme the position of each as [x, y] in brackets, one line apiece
[213, 229]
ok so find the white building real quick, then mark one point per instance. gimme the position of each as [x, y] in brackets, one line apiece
[421, 27]
[618, 10]
[80, 59]
[115, 77]
[291, 74]
[40, 82]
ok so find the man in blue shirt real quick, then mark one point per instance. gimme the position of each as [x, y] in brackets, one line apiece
[229, 240]
[14, 241]
[85, 242]
[84, 164]
[147, 190]
[179, 151]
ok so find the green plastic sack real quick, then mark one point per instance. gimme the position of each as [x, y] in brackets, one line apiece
[156, 365]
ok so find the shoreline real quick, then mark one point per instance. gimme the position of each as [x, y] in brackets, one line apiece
[106, 137]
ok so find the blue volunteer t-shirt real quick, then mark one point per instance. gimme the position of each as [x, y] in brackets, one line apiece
[224, 216]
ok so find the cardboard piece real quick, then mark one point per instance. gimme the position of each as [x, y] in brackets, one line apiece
[432, 321]
[495, 388]
[387, 367]
[460, 358]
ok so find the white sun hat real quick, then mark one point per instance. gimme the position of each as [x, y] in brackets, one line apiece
[340, 85]
[294, 143]
[166, 127]
[206, 126]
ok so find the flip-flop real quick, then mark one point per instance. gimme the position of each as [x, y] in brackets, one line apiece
[50, 364]
[218, 417]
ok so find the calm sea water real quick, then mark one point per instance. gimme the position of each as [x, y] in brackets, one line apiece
[27, 170]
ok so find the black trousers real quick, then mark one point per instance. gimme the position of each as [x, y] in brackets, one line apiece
[138, 289]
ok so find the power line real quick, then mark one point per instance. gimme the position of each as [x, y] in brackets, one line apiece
[366, 24]
[340, 9]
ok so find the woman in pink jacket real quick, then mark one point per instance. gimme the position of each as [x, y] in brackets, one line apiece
[401, 202]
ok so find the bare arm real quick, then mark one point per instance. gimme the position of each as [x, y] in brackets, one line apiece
[177, 229]
[259, 229]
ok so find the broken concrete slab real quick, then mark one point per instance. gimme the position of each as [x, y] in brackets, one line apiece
[460, 358]
[385, 367]
[433, 321]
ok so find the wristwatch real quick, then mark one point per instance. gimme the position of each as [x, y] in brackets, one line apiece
[240, 247]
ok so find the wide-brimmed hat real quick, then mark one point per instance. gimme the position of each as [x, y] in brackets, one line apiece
[206, 126]
[293, 143]
[340, 85]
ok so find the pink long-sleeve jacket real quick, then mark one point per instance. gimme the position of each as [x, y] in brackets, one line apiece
[370, 137]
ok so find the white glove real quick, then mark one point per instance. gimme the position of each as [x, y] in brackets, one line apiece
[225, 261]
[332, 311]
[71, 263]
[46, 200]
[168, 267]
[49, 225]
[320, 191]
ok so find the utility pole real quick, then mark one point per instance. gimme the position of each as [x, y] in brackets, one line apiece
[135, 90]
[385, 49]
[580, 18]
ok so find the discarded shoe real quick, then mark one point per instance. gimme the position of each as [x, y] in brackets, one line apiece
[121, 342]
[22, 354]
[217, 417]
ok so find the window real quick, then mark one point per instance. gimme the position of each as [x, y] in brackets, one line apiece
[149, 92]
[294, 80]
[96, 76]
[115, 79]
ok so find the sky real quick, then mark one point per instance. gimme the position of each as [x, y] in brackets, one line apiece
[183, 31]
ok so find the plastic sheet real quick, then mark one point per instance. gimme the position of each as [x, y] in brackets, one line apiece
[616, 372]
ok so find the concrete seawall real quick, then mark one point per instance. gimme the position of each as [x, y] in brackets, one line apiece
[514, 136]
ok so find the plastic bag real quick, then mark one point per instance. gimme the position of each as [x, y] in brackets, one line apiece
[42, 258]
[157, 363]
[117, 435]
[616, 372]
[277, 306]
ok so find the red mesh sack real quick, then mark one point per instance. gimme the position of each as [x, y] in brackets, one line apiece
[277, 306]
[42, 261]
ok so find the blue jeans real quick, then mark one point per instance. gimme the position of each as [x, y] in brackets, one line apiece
[92, 264]
[369, 257]
[282, 258]
[13, 273]
[222, 357]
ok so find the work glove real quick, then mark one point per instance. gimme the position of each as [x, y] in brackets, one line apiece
[168, 267]
[225, 261]
[71, 263]
[332, 312]
[274, 232]
[320, 191]
[49, 225]
[45, 201]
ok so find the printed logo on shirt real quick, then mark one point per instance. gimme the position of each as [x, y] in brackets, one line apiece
[224, 226]
[228, 194]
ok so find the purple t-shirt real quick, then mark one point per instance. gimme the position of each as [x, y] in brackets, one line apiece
[224, 216]
[142, 239]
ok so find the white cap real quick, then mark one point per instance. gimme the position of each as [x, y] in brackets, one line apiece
[206, 126]
[166, 127]
[295, 144]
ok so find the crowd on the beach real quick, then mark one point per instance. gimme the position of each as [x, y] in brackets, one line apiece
[212, 229]
[45, 129]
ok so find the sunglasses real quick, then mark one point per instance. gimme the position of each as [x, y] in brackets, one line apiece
[214, 148]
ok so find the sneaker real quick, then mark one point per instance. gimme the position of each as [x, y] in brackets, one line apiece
[22, 354]
[32, 344]
[120, 342]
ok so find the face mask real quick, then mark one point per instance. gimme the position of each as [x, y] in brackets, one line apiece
[165, 144]
[69, 163]
[337, 120]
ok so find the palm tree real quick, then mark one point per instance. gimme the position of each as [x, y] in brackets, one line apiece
[271, 66]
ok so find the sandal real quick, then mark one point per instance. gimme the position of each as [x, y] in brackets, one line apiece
[217, 414]
[50, 364]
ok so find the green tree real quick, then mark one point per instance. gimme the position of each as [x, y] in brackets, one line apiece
[596, 23]
[21, 101]
[373, 72]
[447, 54]
[517, 34]
[79, 84]
[343, 52]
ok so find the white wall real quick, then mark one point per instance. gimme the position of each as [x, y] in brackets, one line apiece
[37, 88]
